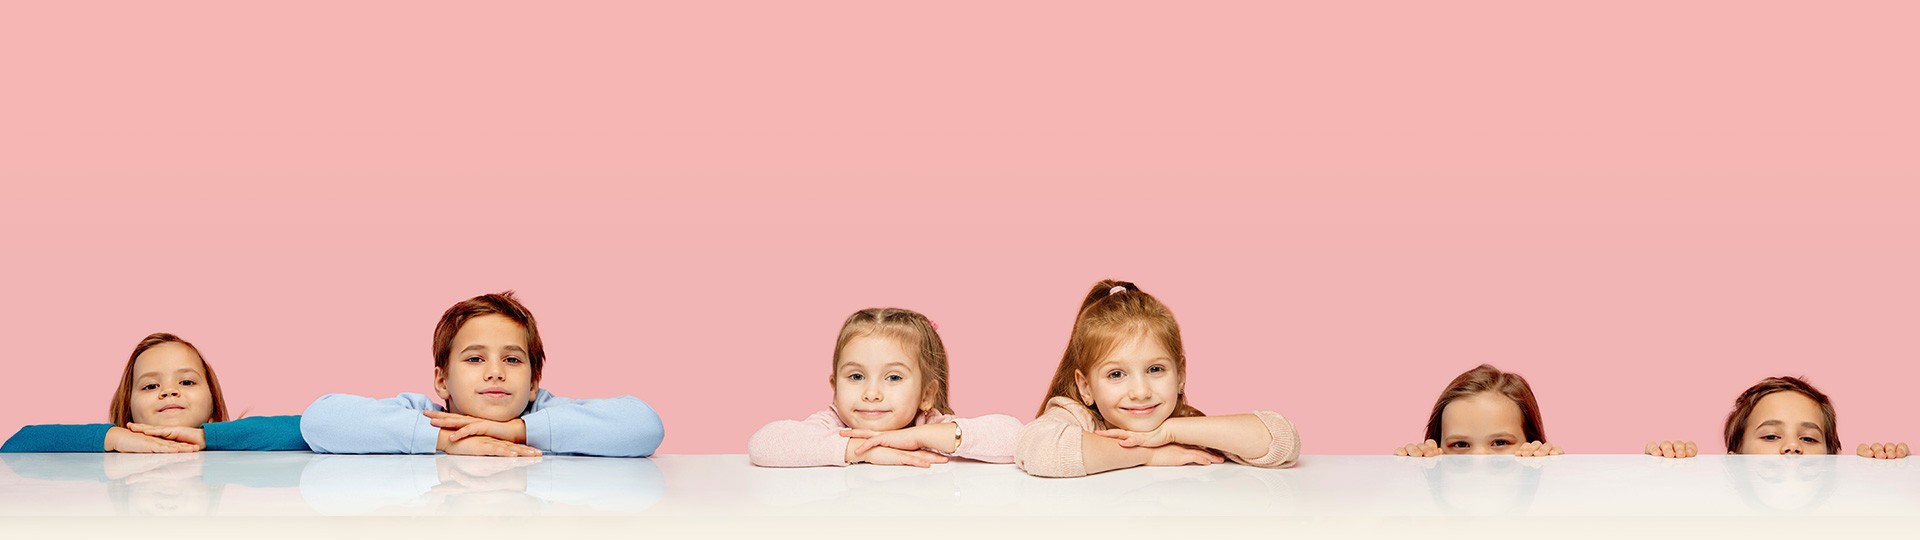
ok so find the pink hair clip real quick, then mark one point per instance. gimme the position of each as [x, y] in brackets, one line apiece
[935, 325]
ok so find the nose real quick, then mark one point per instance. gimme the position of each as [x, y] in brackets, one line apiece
[870, 393]
[496, 371]
[1139, 389]
[1791, 449]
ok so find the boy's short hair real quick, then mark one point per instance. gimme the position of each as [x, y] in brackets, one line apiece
[487, 304]
[1743, 409]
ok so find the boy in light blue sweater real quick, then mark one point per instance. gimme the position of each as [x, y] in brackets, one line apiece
[486, 369]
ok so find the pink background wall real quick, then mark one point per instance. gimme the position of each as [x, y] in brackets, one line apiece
[1643, 206]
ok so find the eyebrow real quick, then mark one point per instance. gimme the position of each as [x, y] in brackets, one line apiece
[190, 371]
[903, 365]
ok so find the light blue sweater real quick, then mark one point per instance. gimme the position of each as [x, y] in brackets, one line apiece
[350, 424]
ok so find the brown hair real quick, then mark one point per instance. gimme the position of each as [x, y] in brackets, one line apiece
[1487, 378]
[120, 410]
[487, 304]
[1108, 319]
[909, 328]
[1743, 407]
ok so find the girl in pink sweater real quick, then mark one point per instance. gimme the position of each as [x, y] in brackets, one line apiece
[1118, 400]
[889, 405]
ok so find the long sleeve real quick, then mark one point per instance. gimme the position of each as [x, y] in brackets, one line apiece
[256, 433]
[989, 438]
[812, 442]
[349, 424]
[615, 427]
[1284, 451]
[59, 438]
[1050, 446]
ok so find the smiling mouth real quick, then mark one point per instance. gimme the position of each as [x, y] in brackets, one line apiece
[871, 413]
[1140, 411]
[171, 408]
[496, 393]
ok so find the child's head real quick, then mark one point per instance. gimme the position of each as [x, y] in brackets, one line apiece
[1124, 360]
[1782, 415]
[487, 357]
[1486, 411]
[889, 367]
[167, 383]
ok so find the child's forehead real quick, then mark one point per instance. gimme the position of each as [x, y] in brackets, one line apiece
[876, 350]
[168, 356]
[490, 329]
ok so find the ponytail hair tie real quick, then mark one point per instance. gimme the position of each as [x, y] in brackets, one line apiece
[1117, 289]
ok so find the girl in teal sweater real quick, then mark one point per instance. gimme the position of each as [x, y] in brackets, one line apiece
[168, 401]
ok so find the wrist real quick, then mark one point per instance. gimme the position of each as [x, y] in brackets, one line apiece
[519, 428]
[852, 457]
[111, 443]
[1172, 427]
[440, 439]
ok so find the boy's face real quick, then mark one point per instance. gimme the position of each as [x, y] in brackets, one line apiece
[1135, 388]
[878, 385]
[489, 374]
[170, 387]
[1483, 423]
[1785, 423]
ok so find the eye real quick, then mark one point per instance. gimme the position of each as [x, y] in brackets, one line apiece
[1502, 442]
[1458, 444]
[513, 360]
[150, 386]
[895, 378]
[188, 382]
[1809, 440]
[1157, 369]
[856, 377]
[1769, 437]
[1115, 374]
[473, 359]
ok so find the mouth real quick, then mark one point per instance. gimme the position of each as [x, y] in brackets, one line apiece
[1140, 411]
[171, 408]
[872, 413]
[495, 392]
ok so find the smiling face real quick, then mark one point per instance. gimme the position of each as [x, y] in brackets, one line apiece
[878, 384]
[1136, 387]
[488, 374]
[170, 387]
[1482, 423]
[1785, 423]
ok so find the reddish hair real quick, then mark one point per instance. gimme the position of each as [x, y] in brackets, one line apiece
[1487, 378]
[1107, 319]
[1743, 408]
[120, 410]
[504, 304]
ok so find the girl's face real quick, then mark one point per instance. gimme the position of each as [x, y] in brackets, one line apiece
[878, 385]
[170, 387]
[1785, 423]
[1483, 423]
[1136, 387]
[488, 375]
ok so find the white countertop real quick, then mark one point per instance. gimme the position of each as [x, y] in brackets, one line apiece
[699, 490]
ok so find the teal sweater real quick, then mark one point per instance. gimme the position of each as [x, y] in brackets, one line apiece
[251, 433]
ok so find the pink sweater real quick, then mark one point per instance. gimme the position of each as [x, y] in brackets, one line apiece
[1050, 446]
[816, 441]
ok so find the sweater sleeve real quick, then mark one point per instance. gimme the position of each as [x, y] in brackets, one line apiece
[1050, 446]
[256, 433]
[612, 427]
[813, 442]
[1284, 451]
[349, 424]
[59, 438]
[988, 438]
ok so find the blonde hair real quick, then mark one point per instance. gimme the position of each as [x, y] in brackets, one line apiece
[1113, 313]
[908, 328]
[120, 410]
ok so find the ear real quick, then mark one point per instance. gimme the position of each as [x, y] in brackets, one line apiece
[926, 400]
[1086, 390]
[440, 386]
